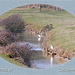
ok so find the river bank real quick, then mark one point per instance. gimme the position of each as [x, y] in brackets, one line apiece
[60, 52]
[38, 56]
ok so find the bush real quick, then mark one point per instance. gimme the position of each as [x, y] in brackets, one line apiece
[1, 49]
[0, 22]
[5, 37]
[47, 28]
[19, 51]
[14, 23]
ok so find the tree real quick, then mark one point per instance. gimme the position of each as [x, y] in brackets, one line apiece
[5, 37]
[14, 23]
[22, 52]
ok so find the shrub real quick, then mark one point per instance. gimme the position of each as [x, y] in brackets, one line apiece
[1, 25]
[0, 22]
[1, 49]
[14, 23]
[47, 27]
[5, 37]
[19, 51]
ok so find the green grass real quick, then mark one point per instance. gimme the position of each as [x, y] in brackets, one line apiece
[64, 35]
[11, 60]
[1, 27]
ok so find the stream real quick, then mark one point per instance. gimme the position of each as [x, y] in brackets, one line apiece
[39, 59]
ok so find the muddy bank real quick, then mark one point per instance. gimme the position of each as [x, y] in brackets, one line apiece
[59, 51]
[45, 31]
[38, 30]
[41, 60]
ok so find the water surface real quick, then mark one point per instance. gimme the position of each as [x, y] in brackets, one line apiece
[38, 59]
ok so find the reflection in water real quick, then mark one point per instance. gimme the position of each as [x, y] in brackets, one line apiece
[51, 61]
[39, 58]
[42, 63]
[39, 39]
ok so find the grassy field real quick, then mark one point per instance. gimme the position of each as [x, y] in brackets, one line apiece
[63, 24]
[11, 60]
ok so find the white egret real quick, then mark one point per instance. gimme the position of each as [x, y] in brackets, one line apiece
[51, 47]
[39, 35]
[51, 59]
